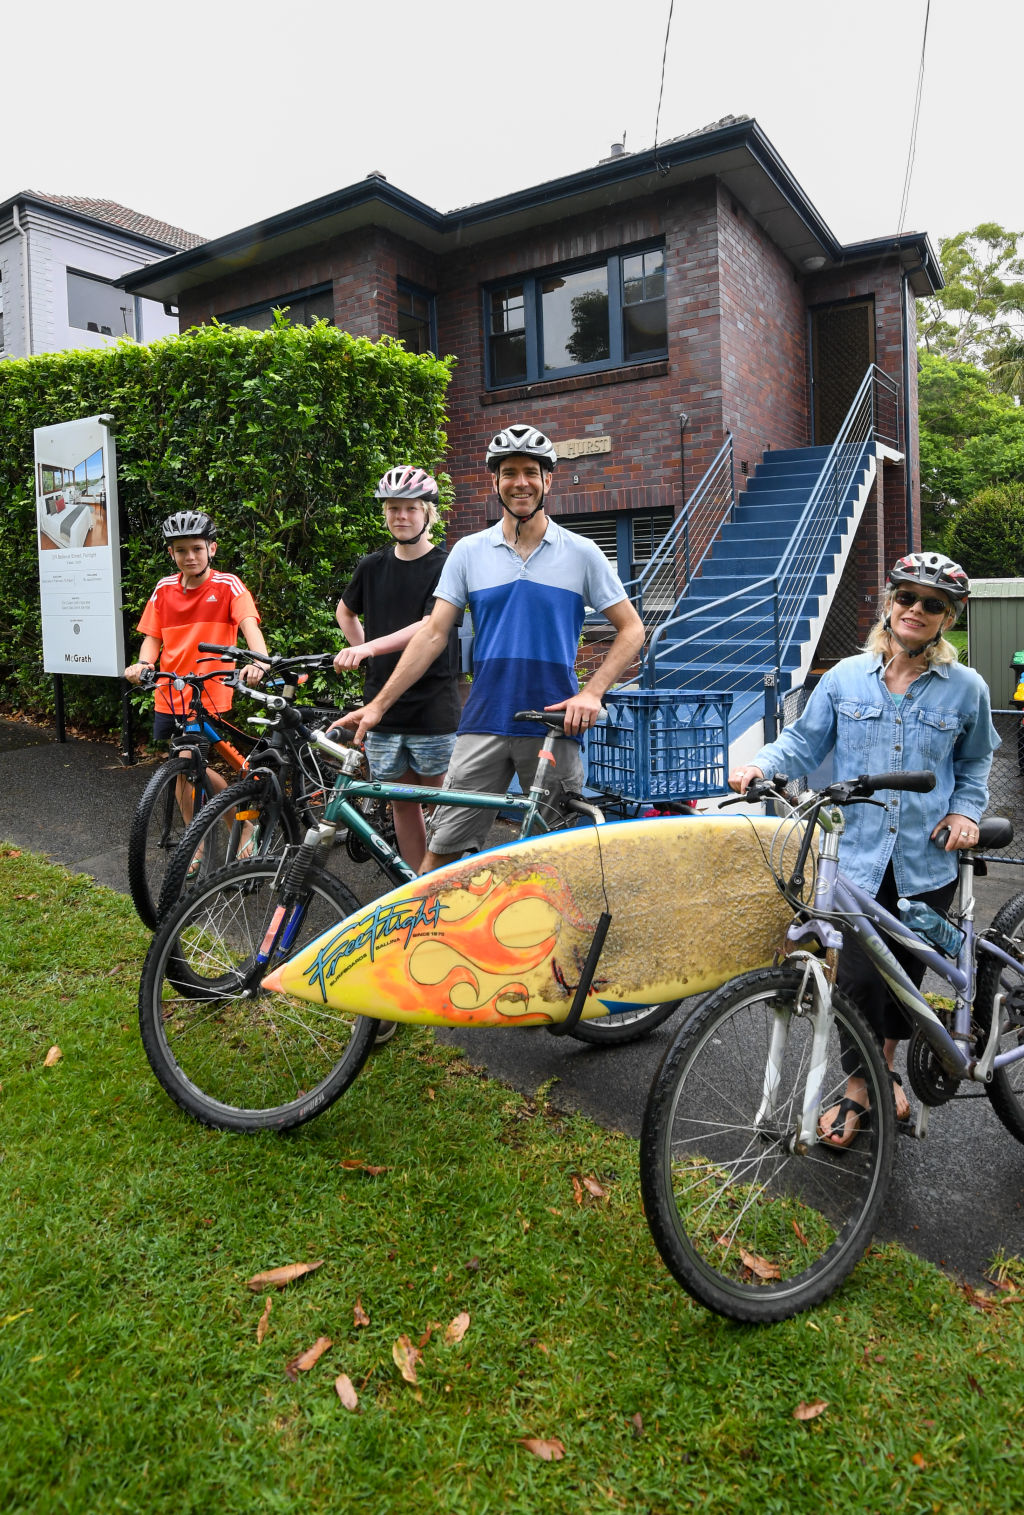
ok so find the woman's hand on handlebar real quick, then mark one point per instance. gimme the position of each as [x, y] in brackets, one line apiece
[741, 778]
[963, 832]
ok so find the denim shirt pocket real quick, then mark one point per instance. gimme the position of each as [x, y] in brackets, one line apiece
[935, 733]
[859, 731]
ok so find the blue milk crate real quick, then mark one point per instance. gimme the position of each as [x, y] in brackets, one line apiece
[661, 744]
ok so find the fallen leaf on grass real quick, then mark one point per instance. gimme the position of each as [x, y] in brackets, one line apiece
[550, 1450]
[759, 1266]
[637, 1422]
[53, 1056]
[261, 1329]
[457, 1328]
[406, 1357]
[593, 1187]
[373, 1169]
[801, 1235]
[810, 1411]
[346, 1391]
[577, 1190]
[918, 1460]
[276, 1278]
[306, 1360]
[359, 1315]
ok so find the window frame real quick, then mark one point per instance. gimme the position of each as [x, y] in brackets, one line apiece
[407, 287]
[534, 321]
[277, 302]
[93, 278]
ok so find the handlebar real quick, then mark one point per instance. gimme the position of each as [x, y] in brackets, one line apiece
[845, 791]
[312, 660]
[553, 719]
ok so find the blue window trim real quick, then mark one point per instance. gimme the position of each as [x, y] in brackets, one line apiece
[533, 318]
[406, 286]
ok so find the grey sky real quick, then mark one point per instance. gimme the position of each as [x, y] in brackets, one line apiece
[211, 114]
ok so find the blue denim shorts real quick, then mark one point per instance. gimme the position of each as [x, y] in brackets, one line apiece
[391, 756]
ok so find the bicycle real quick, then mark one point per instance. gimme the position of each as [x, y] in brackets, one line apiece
[234, 1055]
[755, 1213]
[177, 790]
[282, 792]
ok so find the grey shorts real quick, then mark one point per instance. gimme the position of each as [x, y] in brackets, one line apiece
[392, 755]
[482, 764]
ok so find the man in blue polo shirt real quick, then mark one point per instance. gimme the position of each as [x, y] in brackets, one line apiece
[527, 583]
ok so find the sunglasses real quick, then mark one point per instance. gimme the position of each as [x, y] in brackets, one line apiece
[907, 597]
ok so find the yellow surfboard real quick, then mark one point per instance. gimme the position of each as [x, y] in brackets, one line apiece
[499, 939]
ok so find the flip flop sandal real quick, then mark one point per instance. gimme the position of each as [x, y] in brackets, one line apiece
[897, 1080]
[845, 1107]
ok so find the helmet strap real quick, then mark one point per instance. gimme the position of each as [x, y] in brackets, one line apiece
[911, 652]
[521, 520]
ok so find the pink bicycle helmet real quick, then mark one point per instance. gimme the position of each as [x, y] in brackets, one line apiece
[407, 483]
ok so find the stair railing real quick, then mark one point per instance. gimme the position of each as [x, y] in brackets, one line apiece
[679, 556]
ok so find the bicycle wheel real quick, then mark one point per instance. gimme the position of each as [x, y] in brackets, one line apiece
[626, 1026]
[1006, 1091]
[229, 1053]
[157, 827]
[751, 1224]
[252, 815]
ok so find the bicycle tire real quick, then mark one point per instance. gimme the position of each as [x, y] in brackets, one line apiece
[1006, 1091]
[752, 1227]
[243, 1061]
[156, 830]
[212, 841]
[626, 1026]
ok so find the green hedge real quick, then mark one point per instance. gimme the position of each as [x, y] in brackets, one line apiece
[281, 435]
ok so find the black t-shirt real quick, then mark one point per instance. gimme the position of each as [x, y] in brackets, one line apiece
[388, 593]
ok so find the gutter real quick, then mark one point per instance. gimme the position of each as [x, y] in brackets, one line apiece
[27, 266]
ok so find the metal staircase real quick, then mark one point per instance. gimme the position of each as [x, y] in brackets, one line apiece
[750, 578]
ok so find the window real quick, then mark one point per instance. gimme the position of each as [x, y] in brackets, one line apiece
[94, 304]
[417, 318]
[302, 307]
[603, 315]
[628, 539]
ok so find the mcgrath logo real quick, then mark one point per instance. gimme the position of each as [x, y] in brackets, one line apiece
[383, 921]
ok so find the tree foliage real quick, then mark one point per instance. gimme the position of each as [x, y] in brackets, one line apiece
[971, 437]
[979, 309]
[987, 534]
[280, 434]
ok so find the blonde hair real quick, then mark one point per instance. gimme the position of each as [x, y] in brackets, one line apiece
[878, 639]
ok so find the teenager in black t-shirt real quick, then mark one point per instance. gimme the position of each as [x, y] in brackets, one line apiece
[385, 602]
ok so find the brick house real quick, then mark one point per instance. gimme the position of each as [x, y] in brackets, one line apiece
[59, 257]
[641, 312]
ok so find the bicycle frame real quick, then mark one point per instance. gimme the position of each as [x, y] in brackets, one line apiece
[341, 811]
[871, 923]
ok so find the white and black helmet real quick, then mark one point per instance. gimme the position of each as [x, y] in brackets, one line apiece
[189, 523]
[931, 570]
[407, 483]
[522, 440]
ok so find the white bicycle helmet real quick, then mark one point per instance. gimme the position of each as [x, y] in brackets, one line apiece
[407, 483]
[522, 440]
[189, 523]
[931, 570]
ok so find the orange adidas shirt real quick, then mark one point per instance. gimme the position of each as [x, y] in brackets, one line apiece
[181, 619]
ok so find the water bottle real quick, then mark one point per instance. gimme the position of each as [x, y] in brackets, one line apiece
[935, 928]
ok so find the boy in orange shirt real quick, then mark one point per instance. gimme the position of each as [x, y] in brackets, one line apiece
[195, 604]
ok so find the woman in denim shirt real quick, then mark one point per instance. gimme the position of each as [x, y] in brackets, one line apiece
[904, 703]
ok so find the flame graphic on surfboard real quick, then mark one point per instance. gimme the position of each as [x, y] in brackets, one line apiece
[509, 928]
[499, 939]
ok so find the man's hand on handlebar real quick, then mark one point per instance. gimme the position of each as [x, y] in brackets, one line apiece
[582, 711]
[358, 722]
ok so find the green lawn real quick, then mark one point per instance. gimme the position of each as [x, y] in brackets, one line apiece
[132, 1377]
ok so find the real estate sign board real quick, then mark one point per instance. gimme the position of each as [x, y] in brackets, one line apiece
[79, 548]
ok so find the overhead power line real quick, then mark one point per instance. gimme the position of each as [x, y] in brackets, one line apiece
[661, 86]
[913, 131]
